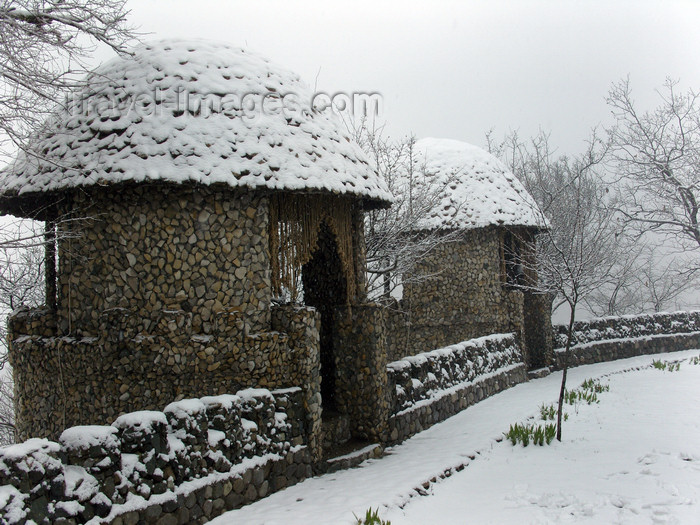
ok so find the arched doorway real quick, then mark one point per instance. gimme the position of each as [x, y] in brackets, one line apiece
[313, 263]
[325, 288]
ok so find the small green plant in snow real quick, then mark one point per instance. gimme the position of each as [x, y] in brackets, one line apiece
[666, 365]
[549, 413]
[594, 385]
[537, 434]
[372, 518]
[586, 393]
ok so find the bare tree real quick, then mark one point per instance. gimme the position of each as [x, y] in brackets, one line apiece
[646, 281]
[579, 257]
[44, 46]
[656, 155]
[396, 238]
[663, 281]
[21, 267]
[579, 252]
[623, 294]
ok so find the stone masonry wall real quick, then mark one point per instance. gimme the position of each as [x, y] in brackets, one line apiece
[537, 310]
[301, 324]
[187, 464]
[122, 372]
[361, 377]
[625, 326]
[153, 248]
[465, 297]
[610, 338]
[430, 387]
[599, 351]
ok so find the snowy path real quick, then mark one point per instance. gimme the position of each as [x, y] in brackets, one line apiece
[634, 458]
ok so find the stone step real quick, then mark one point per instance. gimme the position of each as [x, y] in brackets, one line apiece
[351, 454]
[539, 373]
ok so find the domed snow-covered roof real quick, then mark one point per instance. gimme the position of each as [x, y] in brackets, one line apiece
[475, 188]
[194, 111]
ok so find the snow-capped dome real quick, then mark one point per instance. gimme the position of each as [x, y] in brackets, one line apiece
[194, 111]
[474, 189]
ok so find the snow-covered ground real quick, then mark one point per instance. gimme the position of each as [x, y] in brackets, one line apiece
[632, 458]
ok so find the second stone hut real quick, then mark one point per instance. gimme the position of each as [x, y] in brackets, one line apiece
[472, 283]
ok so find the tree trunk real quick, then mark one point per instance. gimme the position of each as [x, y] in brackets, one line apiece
[50, 264]
[565, 369]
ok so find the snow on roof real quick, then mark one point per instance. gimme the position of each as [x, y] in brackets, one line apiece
[475, 188]
[195, 111]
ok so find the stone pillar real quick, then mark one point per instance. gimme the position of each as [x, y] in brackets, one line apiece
[361, 377]
[302, 325]
[360, 255]
[50, 264]
[538, 330]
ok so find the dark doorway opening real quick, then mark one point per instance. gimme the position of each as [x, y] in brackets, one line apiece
[325, 288]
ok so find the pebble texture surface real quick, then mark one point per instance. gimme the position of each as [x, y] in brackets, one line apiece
[626, 326]
[186, 464]
[432, 386]
[464, 297]
[148, 250]
[54, 375]
[610, 338]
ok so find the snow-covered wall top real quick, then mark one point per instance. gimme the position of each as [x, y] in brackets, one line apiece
[195, 111]
[628, 326]
[147, 462]
[430, 374]
[476, 189]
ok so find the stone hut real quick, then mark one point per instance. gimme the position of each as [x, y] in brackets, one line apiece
[196, 206]
[474, 284]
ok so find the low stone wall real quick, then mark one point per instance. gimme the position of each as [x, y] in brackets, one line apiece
[625, 326]
[430, 387]
[599, 351]
[610, 338]
[187, 464]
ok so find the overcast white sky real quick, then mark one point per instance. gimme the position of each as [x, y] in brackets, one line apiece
[456, 69]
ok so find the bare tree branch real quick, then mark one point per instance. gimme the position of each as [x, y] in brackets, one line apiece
[44, 48]
[656, 155]
[396, 238]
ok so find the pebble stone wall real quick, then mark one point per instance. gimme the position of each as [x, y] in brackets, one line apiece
[626, 326]
[54, 375]
[361, 373]
[185, 465]
[302, 325]
[153, 248]
[432, 386]
[537, 311]
[610, 338]
[466, 297]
